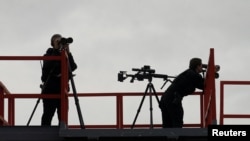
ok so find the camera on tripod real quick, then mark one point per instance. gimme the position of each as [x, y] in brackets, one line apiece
[143, 73]
[216, 69]
[65, 41]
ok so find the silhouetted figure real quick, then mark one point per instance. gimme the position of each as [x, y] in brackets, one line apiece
[183, 85]
[51, 78]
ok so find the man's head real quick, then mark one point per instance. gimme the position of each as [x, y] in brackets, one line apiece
[55, 39]
[196, 64]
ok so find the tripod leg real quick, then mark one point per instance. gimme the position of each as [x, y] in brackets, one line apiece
[77, 104]
[158, 100]
[152, 90]
[33, 111]
[76, 97]
[139, 109]
[151, 107]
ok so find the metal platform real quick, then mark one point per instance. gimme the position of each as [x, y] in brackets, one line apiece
[55, 133]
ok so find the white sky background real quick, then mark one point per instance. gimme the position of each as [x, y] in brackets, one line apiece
[114, 35]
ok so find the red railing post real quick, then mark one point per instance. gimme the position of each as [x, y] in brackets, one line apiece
[209, 92]
[64, 88]
[1, 106]
[221, 102]
[11, 110]
[202, 111]
[119, 111]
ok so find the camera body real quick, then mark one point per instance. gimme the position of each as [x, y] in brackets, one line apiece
[216, 69]
[65, 41]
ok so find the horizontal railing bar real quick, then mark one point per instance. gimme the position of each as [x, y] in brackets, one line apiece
[30, 58]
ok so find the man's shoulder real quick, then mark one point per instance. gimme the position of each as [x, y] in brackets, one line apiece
[51, 51]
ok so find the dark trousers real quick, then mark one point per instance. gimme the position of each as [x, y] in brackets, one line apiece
[172, 115]
[49, 108]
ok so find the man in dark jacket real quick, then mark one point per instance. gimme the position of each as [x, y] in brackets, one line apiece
[51, 78]
[183, 85]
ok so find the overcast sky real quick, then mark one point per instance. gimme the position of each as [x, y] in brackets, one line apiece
[118, 35]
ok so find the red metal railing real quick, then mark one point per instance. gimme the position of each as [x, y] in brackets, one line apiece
[11, 98]
[207, 101]
[119, 107]
[209, 93]
[222, 93]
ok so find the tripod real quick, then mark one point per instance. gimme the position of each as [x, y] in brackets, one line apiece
[78, 108]
[74, 93]
[42, 86]
[149, 90]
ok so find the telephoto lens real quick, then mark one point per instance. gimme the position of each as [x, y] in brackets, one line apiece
[66, 40]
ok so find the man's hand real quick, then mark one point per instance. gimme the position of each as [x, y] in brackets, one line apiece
[66, 47]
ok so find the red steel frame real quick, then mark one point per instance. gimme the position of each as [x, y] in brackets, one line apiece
[207, 100]
[222, 114]
[209, 93]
